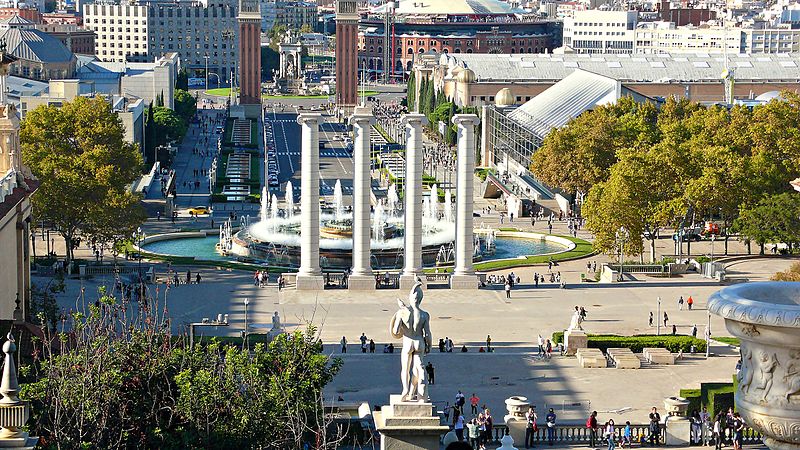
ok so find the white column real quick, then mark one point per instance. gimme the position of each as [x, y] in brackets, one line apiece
[309, 276]
[463, 272]
[413, 195]
[362, 277]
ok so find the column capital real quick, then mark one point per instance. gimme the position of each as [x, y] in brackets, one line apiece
[310, 118]
[362, 114]
[414, 119]
[466, 119]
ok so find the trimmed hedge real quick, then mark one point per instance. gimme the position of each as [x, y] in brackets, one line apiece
[717, 397]
[637, 343]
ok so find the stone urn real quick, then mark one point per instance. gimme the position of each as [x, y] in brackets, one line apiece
[765, 316]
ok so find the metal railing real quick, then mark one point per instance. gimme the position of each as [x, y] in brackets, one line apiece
[640, 268]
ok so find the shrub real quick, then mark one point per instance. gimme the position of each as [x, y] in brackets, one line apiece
[793, 274]
[637, 343]
[694, 396]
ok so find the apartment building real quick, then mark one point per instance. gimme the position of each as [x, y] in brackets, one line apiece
[665, 37]
[202, 34]
[608, 32]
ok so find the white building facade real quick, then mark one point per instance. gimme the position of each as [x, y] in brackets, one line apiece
[202, 35]
[608, 32]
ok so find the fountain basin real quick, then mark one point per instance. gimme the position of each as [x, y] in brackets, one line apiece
[765, 316]
[202, 246]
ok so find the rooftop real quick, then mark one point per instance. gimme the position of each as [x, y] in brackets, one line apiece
[35, 45]
[661, 68]
[454, 7]
[565, 100]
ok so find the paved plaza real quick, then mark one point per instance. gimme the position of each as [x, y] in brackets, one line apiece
[513, 369]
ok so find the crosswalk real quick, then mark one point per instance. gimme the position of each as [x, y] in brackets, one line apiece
[340, 154]
[282, 120]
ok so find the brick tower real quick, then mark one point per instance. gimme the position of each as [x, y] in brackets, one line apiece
[346, 54]
[250, 56]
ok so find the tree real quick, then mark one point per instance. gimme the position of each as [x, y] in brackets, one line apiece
[160, 99]
[169, 126]
[182, 81]
[122, 380]
[79, 153]
[411, 92]
[150, 135]
[306, 28]
[773, 219]
[185, 105]
[580, 154]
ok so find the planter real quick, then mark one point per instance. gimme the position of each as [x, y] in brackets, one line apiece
[766, 318]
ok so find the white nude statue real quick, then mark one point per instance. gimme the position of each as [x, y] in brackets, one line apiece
[412, 325]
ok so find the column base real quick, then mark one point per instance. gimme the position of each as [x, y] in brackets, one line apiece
[361, 282]
[464, 281]
[408, 280]
[309, 282]
[575, 340]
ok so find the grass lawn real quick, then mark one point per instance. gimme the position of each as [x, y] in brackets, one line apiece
[727, 340]
[224, 92]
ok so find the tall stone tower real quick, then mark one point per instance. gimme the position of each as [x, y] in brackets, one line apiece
[346, 54]
[250, 56]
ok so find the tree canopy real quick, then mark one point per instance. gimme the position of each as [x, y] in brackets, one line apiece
[79, 153]
[645, 168]
[123, 381]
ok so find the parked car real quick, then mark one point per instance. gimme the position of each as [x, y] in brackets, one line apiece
[199, 210]
[273, 180]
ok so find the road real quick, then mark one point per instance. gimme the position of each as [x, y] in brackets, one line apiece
[336, 163]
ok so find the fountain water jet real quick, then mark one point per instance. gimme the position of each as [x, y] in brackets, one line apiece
[393, 199]
[337, 200]
[289, 200]
[262, 215]
[448, 206]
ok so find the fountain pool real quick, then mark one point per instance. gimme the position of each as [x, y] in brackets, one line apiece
[205, 248]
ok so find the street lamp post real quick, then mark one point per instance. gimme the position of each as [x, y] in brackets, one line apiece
[708, 334]
[244, 332]
[206, 57]
[622, 236]
[658, 318]
[713, 236]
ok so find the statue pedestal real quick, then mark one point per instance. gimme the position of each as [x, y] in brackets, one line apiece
[309, 282]
[678, 430]
[573, 340]
[407, 281]
[408, 425]
[464, 281]
[361, 282]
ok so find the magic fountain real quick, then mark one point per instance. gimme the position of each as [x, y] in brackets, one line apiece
[275, 237]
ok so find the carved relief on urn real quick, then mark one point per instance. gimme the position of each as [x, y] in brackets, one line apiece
[766, 318]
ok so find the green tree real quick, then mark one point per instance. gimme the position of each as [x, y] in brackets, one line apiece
[182, 81]
[772, 219]
[160, 99]
[168, 124]
[579, 155]
[411, 92]
[122, 381]
[185, 104]
[150, 135]
[79, 153]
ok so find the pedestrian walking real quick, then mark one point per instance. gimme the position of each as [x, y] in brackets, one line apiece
[610, 434]
[458, 425]
[591, 424]
[626, 436]
[666, 318]
[508, 289]
[344, 344]
[651, 319]
[540, 342]
[473, 429]
[680, 304]
[689, 302]
[694, 331]
[674, 329]
[372, 347]
[489, 343]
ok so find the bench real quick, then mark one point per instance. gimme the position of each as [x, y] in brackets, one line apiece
[658, 356]
[591, 358]
[623, 358]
